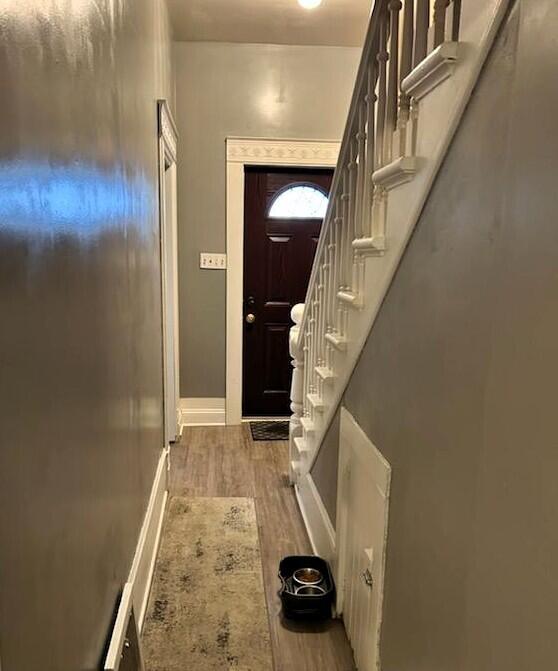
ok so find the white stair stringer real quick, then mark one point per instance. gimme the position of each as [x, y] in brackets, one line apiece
[439, 113]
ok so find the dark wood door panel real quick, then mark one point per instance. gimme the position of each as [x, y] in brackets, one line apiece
[278, 257]
[279, 274]
[276, 348]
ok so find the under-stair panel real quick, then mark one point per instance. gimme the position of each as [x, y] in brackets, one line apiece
[362, 524]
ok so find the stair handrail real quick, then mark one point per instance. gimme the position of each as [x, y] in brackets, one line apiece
[410, 47]
[369, 47]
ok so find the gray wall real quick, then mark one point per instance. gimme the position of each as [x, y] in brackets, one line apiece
[244, 90]
[80, 334]
[324, 470]
[457, 383]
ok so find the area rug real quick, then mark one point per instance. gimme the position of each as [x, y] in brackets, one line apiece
[275, 430]
[207, 608]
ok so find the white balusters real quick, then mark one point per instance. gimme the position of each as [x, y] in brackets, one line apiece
[455, 20]
[393, 78]
[440, 8]
[338, 261]
[297, 385]
[382, 58]
[379, 137]
[403, 140]
[360, 168]
[313, 345]
[351, 209]
[331, 286]
[345, 231]
[369, 165]
[421, 31]
[321, 317]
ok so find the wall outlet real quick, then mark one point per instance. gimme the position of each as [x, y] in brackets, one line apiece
[213, 261]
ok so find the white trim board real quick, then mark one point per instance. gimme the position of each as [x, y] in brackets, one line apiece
[125, 619]
[143, 565]
[168, 231]
[202, 412]
[242, 152]
[316, 520]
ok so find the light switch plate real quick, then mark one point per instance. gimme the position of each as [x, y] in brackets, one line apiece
[213, 261]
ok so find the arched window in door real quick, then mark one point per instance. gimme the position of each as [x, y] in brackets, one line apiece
[299, 201]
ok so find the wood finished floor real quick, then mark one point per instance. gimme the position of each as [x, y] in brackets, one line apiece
[225, 461]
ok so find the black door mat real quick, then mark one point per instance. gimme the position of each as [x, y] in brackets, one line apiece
[277, 430]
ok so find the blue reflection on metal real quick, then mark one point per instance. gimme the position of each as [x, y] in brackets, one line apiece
[39, 198]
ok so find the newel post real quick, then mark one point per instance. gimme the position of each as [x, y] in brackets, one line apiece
[297, 385]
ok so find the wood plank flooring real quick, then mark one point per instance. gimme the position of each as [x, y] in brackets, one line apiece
[224, 461]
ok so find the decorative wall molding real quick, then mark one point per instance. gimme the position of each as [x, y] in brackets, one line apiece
[255, 151]
[202, 412]
[143, 564]
[239, 153]
[316, 519]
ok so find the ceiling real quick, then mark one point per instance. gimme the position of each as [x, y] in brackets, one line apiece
[333, 23]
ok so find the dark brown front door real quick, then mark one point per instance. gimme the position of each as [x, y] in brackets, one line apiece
[283, 210]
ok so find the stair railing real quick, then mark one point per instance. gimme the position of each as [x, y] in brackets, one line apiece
[377, 151]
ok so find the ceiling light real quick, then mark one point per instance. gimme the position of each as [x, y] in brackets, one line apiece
[309, 4]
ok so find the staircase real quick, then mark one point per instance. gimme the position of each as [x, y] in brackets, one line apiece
[420, 63]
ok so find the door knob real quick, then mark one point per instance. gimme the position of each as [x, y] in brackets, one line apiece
[250, 318]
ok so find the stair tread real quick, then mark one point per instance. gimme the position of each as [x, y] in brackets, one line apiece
[376, 244]
[301, 445]
[400, 171]
[316, 401]
[349, 297]
[295, 466]
[338, 341]
[325, 373]
[307, 424]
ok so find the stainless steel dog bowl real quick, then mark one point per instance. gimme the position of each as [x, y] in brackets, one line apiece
[309, 590]
[307, 576]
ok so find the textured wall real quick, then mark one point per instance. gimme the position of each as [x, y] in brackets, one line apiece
[457, 383]
[80, 345]
[244, 90]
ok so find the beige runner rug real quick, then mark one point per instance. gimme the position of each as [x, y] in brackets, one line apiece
[207, 608]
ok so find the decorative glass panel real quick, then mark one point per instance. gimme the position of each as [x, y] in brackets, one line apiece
[301, 201]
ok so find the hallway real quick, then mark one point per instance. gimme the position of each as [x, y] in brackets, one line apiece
[226, 462]
[173, 262]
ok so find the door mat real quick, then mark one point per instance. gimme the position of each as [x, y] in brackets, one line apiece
[207, 607]
[270, 430]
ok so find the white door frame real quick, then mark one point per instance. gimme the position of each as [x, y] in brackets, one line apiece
[240, 153]
[168, 139]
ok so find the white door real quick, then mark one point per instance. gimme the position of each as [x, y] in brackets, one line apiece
[363, 496]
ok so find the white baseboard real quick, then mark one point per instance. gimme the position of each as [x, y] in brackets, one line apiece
[143, 565]
[316, 519]
[120, 630]
[202, 412]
